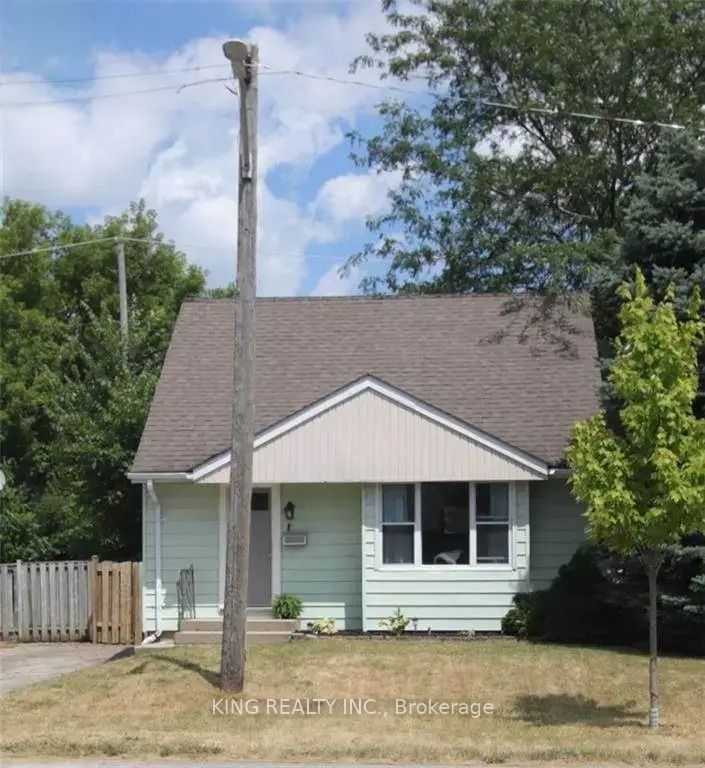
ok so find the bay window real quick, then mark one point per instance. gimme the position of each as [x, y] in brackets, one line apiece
[446, 524]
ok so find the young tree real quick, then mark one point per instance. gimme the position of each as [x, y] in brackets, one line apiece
[643, 481]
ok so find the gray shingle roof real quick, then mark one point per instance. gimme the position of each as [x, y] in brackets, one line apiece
[514, 374]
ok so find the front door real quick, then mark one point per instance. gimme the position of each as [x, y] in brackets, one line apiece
[259, 590]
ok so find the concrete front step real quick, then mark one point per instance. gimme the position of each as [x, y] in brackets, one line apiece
[213, 637]
[253, 625]
[259, 612]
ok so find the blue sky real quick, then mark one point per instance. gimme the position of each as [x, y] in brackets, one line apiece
[176, 149]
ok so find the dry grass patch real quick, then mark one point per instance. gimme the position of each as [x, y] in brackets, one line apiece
[551, 703]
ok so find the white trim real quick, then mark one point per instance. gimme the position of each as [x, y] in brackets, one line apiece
[385, 390]
[512, 501]
[509, 523]
[418, 565]
[523, 487]
[417, 524]
[209, 466]
[144, 557]
[472, 536]
[275, 512]
[377, 496]
[222, 539]
[162, 477]
[379, 526]
[365, 489]
[157, 557]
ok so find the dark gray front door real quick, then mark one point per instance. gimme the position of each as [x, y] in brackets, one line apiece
[259, 590]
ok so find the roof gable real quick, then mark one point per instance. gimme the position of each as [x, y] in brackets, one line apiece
[471, 357]
[348, 436]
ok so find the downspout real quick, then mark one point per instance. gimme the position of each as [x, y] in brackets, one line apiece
[157, 565]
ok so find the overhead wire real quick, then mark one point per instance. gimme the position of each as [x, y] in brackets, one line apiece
[90, 97]
[95, 78]
[550, 111]
[149, 241]
[268, 70]
[388, 87]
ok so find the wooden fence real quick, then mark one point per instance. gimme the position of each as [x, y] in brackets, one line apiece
[71, 600]
[117, 603]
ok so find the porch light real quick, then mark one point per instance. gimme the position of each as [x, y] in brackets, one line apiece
[289, 510]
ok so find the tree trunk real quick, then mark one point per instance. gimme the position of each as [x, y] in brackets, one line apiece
[653, 563]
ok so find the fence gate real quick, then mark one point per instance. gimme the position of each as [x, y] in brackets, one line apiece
[117, 603]
[71, 600]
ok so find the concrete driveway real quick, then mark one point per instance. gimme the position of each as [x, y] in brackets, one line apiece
[23, 664]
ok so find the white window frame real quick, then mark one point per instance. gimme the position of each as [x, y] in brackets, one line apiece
[414, 524]
[418, 565]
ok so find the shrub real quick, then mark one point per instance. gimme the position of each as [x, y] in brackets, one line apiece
[602, 599]
[523, 618]
[396, 623]
[324, 627]
[286, 606]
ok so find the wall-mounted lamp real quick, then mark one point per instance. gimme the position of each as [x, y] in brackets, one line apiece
[289, 510]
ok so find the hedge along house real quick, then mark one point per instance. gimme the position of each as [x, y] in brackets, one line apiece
[408, 454]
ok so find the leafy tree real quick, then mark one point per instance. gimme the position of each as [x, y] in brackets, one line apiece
[496, 198]
[74, 402]
[644, 483]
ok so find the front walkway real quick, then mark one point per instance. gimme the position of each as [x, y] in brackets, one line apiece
[23, 664]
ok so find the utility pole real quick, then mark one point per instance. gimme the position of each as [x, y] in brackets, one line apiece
[122, 286]
[243, 58]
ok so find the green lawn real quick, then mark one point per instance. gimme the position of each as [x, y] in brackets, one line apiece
[550, 703]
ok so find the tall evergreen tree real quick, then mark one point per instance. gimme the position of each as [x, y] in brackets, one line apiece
[664, 236]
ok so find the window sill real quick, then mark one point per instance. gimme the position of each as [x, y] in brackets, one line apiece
[446, 568]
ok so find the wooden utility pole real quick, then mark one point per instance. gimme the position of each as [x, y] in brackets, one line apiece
[243, 58]
[122, 287]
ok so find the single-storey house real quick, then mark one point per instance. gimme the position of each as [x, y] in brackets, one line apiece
[409, 453]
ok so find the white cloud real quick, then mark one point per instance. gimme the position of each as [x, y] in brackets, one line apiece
[332, 283]
[353, 196]
[177, 149]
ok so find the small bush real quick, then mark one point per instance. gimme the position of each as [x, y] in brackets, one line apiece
[522, 619]
[324, 627]
[396, 623]
[602, 599]
[286, 606]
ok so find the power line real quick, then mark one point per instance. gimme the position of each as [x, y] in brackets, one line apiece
[94, 78]
[268, 70]
[180, 246]
[56, 247]
[482, 102]
[346, 81]
[174, 88]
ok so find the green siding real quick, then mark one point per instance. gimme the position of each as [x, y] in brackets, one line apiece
[325, 573]
[453, 599]
[189, 537]
[557, 529]
[337, 571]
